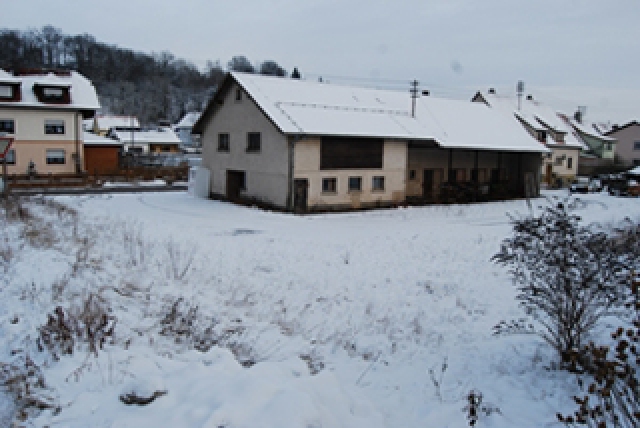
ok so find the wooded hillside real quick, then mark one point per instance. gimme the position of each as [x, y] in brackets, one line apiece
[152, 86]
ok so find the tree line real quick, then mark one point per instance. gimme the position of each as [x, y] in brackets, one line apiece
[153, 87]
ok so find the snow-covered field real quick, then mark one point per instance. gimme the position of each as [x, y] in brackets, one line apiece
[369, 319]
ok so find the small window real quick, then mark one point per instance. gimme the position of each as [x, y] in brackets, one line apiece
[6, 91]
[636, 145]
[329, 185]
[10, 158]
[238, 94]
[559, 160]
[542, 136]
[355, 184]
[54, 127]
[569, 163]
[55, 157]
[377, 183]
[7, 126]
[253, 142]
[223, 142]
[607, 146]
[412, 174]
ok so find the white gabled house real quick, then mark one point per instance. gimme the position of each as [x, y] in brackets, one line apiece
[560, 166]
[305, 146]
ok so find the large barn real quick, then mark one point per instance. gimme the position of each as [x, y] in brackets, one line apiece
[308, 146]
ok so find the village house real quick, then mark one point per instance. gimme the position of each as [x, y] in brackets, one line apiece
[103, 123]
[628, 143]
[305, 146]
[146, 141]
[183, 131]
[599, 150]
[43, 113]
[560, 166]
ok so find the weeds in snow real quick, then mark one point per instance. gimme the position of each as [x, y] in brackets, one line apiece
[179, 259]
[476, 406]
[436, 379]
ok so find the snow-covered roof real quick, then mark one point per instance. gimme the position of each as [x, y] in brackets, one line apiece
[83, 93]
[188, 120]
[634, 171]
[588, 129]
[154, 136]
[91, 139]
[106, 122]
[313, 108]
[537, 115]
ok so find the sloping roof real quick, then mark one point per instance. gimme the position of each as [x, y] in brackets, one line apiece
[91, 139]
[588, 129]
[154, 136]
[302, 107]
[616, 129]
[188, 120]
[537, 115]
[83, 93]
[107, 122]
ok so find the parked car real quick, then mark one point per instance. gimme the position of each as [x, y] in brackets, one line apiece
[623, 186]
[585, 185]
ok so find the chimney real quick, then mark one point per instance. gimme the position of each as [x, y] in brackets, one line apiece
[492, 91]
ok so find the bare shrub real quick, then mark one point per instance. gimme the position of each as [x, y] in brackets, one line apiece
[180, 322]
[179, 259]
[136, 247]
[25, 383]
[39, 234]
[568, 275]
[612, 396]
[476, 407]
[89, 323]
[15, 210]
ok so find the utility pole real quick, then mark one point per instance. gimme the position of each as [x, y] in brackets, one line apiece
[414, 95]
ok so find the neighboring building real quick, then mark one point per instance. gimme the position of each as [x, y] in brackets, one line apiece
[628, 143]
[142, 141]
[560, 166]
[102, 124]
[183, 130]
[301, 145]
[101, 154]
[598, 145]
[43, 112]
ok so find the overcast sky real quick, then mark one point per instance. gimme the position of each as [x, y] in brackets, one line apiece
[568, 52]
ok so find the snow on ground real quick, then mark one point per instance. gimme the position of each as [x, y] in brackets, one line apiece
[368, 319]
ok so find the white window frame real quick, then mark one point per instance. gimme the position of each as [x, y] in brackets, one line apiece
[56, 157]
[54, 127]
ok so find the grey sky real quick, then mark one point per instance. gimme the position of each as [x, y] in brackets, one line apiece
[568, 52]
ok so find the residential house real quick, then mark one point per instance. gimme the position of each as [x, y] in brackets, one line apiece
[101, 154]
[301, 145]
[628, 143]
[146, 141]
[600, 150]
[183, 130]
[103, 123]
[43, 113]
[560, 166]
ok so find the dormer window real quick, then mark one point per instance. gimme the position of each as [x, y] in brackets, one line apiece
[542, 136]
[52, 94]
[9, 91]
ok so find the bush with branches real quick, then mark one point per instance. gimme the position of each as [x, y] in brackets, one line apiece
[568, 275]
[613, 392]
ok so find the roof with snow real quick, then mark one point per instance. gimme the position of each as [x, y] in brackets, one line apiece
[154, 136]
[537, 115]
[188, 120]
[106, 122]
[302, 107]
[83, 93]
[91, 139]
[589, 129]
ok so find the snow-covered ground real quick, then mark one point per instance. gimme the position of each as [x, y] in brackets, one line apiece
[369, 319]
